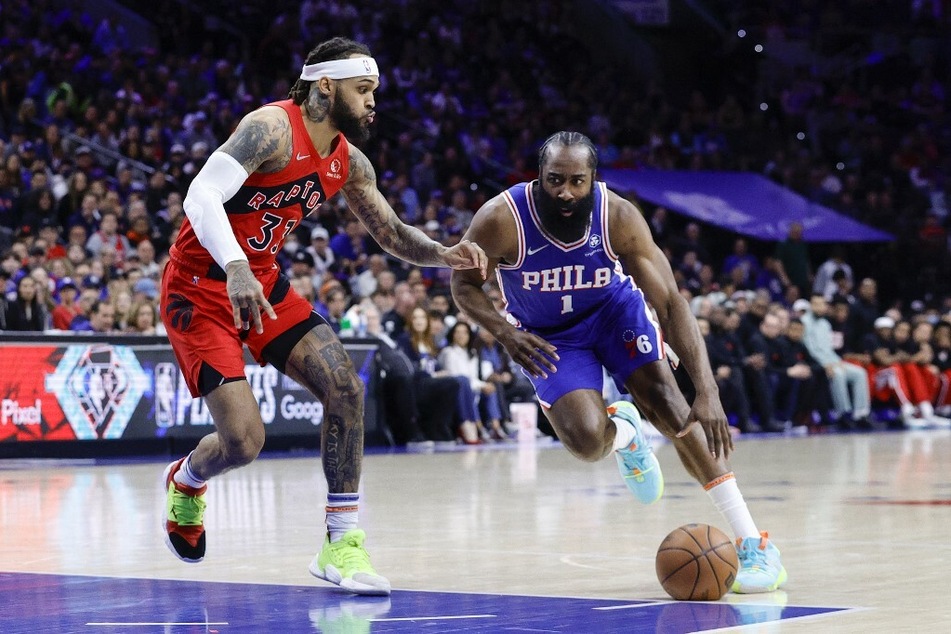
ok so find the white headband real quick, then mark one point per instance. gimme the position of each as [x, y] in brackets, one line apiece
[340, 69]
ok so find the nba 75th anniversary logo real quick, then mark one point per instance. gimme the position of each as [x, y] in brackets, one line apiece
[98, 387]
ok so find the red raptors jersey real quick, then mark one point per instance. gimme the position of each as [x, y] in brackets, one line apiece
[268, 206]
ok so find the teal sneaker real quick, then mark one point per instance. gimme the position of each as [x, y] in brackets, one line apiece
[347, 563]
[637, 462]
[760, 567]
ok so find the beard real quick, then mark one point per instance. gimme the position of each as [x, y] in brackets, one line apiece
[566, 221]
[348, 122]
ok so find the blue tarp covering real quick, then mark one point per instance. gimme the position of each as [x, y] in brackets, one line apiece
[748, 204]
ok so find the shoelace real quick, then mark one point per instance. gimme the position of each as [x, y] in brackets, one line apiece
[753, 558]
[355, 557]
[188, 509]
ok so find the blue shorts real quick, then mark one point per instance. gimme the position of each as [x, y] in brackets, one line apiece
[620, 337]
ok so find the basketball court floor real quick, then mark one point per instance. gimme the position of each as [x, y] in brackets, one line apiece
[521, 538]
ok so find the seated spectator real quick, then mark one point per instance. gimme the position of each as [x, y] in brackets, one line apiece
[815, 399]
[848, 382]
[395, 320]
[941, 348]
[336, 308]
[899, 370]
[786, 373]
[26, 312]
[101, 319]
[108, 234]
[68, 307]
[142, 318]
[420, 347]
[726, 362]
[460, 359]
[323, 255]
[418, 408]
[122, 305]
[364, 283]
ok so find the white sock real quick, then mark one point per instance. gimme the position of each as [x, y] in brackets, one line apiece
[341, 513]
[625, 433]
[186, 476]
[729, 501]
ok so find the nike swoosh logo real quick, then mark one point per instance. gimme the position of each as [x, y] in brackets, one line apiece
[301, 158]
[534, 251]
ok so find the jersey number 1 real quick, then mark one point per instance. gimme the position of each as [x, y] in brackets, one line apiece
[566, 306]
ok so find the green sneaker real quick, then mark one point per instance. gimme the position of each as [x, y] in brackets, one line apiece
[347, 563]
[638, 464]
[184, 515]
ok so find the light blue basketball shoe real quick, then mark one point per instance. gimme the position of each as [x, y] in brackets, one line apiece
[761, 569]
[637, 462]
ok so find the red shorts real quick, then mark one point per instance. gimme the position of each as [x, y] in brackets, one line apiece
[198, 317]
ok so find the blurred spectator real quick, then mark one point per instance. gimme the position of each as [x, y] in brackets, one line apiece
[68, 307]
[823, 284]
[108, 234]
[741, 265]
[101, 319]
[26, 312]
[396, 319]
[364, 283]
[142, 318]
[323, 255]
[793, 253]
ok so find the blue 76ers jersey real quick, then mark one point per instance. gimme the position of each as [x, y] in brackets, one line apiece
[553, 284]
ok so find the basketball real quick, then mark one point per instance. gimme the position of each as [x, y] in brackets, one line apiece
[696, 562]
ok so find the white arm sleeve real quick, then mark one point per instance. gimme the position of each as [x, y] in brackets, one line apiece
[215, 183]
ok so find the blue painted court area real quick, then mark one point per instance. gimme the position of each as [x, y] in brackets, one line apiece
[60, 603]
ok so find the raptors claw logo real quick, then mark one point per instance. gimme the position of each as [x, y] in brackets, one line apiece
[180, 311]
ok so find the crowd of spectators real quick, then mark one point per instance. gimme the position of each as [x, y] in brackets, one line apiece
[100, 136]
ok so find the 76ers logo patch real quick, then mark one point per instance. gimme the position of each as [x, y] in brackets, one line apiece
[594, 241]
[635, 343]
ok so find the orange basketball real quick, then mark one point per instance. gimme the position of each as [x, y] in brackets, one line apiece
[696, 562]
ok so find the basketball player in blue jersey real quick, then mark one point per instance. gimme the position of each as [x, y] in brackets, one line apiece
[579, 272]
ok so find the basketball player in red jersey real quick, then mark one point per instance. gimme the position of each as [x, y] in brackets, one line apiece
[222, 290]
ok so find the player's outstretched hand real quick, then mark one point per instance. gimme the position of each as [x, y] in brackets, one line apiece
[531, 352]
[247, 297]
[708, 413]
[466, 255]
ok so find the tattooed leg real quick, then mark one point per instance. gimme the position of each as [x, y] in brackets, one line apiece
[320, 363]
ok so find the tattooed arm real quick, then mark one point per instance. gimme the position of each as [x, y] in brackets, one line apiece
[262, 142]
[397, 238]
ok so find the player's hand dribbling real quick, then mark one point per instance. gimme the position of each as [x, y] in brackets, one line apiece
[530, 351]
[247, 297]
[707, 411]
[466, 255]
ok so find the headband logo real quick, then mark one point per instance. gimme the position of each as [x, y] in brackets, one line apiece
[366, 64]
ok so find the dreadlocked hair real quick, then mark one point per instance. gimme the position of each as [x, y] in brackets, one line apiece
[567, 139]
[335, 48]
